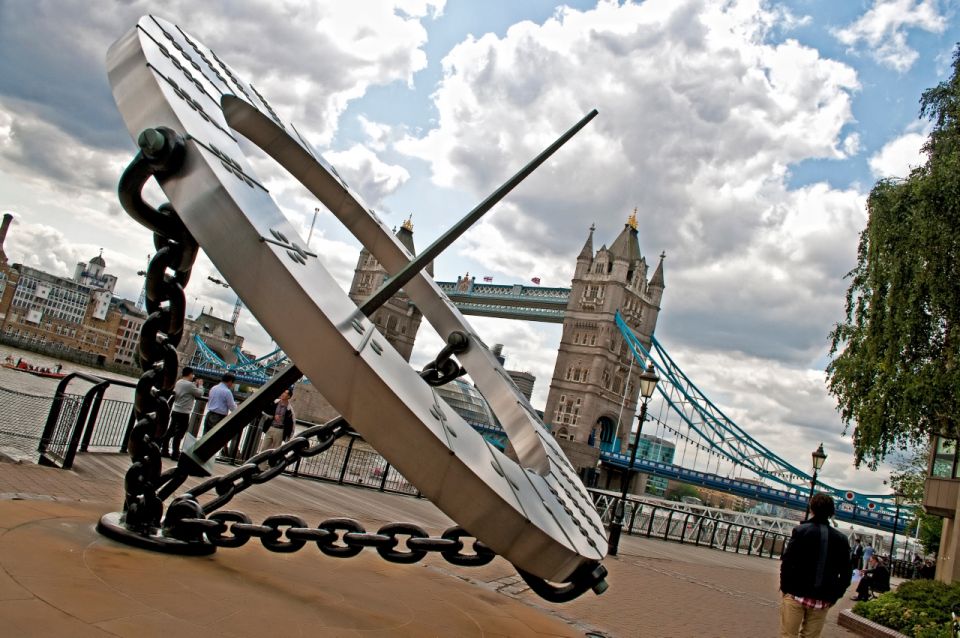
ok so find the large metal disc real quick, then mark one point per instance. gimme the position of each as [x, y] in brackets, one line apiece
[537, 513]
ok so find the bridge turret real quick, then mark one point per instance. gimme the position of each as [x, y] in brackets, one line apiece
[590, 379]
[585, 258]
[398, 320]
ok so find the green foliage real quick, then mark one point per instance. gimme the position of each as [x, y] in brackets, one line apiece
[678, 491]
[894, 368]
[918, 608]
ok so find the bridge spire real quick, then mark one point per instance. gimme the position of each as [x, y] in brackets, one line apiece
[657, 279]
[587, 251]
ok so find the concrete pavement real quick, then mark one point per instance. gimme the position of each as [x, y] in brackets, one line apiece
[58, 577]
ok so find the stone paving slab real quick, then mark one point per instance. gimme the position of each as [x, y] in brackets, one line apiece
[59, 577]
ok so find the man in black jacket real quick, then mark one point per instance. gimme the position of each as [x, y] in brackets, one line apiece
[876, 577]
[815, 572]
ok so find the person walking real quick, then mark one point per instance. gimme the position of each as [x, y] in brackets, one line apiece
[867, 553]
[814, 573]
[185, 394]
[856, 559]
[279, 427]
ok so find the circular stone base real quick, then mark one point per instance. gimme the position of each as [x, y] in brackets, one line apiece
[111, 527]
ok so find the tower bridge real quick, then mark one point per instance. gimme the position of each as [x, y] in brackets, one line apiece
[608, 316]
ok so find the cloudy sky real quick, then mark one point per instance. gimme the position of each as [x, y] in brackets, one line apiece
[747, 133]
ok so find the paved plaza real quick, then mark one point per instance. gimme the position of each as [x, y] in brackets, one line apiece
[59, 577]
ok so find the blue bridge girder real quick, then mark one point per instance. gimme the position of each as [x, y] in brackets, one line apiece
[848, 512]
[725, 439]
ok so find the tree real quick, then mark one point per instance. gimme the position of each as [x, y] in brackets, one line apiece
[679, 490]
[894, 368]
[908, 478]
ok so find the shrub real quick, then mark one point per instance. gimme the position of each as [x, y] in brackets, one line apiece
[918, 608]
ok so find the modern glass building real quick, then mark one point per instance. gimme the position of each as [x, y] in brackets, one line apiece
[654, 448]
[467, 401]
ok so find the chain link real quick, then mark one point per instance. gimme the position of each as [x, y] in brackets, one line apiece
[161, 153]
[338, 537]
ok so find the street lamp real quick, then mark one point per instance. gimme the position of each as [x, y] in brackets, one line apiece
[819, 457]
[898, 500]
[648, 383]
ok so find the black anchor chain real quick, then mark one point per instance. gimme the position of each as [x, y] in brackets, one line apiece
[444, 369]
[161, 154]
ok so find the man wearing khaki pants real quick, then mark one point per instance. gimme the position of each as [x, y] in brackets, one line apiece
[815, 572]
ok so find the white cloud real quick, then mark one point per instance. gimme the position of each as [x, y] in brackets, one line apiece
[882, 30]
[701, 118]
[377, 133]
[899, 156]
[368, 174]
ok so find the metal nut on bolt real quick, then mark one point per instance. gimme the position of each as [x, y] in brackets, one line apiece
[151, 141]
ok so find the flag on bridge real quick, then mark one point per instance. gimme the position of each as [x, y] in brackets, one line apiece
[488, 279]
[536, 280]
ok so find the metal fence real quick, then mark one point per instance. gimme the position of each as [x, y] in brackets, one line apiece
[346, 462]
[90, 423]
[109, 430]
[73, 419]
[658, 521]
[21, 421]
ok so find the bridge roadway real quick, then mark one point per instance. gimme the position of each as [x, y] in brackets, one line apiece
[748, 489]
[529, 303]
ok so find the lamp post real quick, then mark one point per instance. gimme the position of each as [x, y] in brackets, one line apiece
[819, 457]
[898, 500]
[648, 383]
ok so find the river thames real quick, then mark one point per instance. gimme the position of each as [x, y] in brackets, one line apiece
[26, 398]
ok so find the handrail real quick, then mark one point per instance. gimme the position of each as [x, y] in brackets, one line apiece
[82, 425]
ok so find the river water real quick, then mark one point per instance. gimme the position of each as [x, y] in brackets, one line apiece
[30, 384]
[25, 399]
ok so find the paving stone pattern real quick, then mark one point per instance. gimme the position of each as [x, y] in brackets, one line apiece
[59, 577]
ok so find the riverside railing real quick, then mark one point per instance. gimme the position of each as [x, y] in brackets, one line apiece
[73, 419]
[91, 423]
[664, 522]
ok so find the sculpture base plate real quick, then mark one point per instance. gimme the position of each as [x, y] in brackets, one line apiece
[111, 527]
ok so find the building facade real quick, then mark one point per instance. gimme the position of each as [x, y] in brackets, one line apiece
[593, 392]
[653, 448]
[60, 313]
[399, 319]
[219, 335]
[129, 325]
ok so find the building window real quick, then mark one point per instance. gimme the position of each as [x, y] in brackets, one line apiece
[944, 458]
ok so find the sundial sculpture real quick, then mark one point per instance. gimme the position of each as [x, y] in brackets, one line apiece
[535, 513]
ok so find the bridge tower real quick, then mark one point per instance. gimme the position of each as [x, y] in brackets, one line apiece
[591, 401]
[398, 320]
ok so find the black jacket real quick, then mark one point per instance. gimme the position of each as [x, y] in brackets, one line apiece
[288, 420]
[802, 562]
